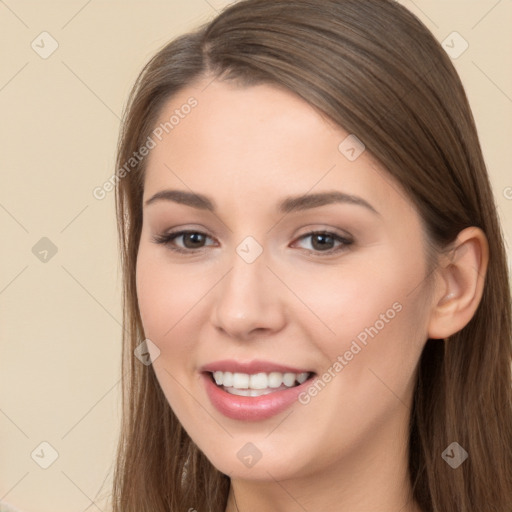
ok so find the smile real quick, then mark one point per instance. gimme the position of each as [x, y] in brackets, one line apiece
[258, 384]
[258, 393]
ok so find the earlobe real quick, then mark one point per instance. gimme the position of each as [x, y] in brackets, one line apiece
[461, 279]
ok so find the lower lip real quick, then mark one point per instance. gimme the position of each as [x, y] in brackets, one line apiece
[246, 408]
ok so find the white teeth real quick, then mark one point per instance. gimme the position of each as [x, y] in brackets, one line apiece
[289, 379]
[258, 381]
[275, 379]
[227, 379]
[302, 377]
[248, 392]
[240, 380]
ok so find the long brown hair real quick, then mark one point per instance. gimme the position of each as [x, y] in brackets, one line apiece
[377, 71]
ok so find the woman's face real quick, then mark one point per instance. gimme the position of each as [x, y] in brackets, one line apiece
[252, 293]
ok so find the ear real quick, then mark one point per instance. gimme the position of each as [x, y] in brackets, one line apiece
[460, 284]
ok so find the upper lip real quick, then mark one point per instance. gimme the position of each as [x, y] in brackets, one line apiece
[250, 367]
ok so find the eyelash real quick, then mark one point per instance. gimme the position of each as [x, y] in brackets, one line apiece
[167, 238]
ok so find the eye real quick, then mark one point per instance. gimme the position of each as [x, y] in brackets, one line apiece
[325, 242]
[191, 240]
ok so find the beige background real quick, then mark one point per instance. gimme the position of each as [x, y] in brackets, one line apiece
[60, 319]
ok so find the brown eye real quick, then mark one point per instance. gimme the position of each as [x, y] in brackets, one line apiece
[322, 241]
[326, 242]
[190, 240]
[193, 240]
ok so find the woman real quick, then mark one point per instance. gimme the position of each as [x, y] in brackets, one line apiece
[312, 256]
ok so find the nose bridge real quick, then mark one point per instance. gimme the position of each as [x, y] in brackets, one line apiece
[247, 299]
[245, 282]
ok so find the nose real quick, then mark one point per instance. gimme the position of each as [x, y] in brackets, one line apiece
[248, 301]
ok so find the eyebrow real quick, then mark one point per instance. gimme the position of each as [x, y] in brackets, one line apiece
[287, 205]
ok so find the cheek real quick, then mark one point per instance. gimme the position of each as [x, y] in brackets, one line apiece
[371, 314]
[166, 297]
[371, 359]
[344, 300]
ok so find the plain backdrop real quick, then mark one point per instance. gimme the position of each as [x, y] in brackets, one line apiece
[60, 286]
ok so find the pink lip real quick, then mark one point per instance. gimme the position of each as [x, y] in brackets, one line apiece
[246, 408]
[251, 367]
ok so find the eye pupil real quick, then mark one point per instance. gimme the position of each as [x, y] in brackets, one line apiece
[196, 238]
[325, 240]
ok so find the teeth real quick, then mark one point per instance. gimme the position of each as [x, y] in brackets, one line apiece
[289, 379]
[302, 377]
[248, 392]
[275, 379]
[240, 381]
[226, 378]
[258, 381]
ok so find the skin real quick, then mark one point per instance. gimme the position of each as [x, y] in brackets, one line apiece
[247, 148]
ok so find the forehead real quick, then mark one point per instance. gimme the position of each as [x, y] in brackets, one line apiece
[256, 143]
[262, 116]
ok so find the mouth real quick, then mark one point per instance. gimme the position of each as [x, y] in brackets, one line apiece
[257, 384]
[253, 390]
